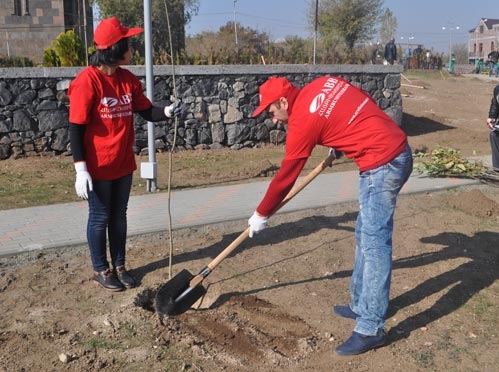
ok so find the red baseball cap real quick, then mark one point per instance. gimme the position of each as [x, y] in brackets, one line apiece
[109, 31]
[271, 91]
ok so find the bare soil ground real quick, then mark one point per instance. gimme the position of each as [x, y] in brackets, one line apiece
[268, 305]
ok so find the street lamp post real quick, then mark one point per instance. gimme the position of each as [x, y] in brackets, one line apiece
[450, 39]
[409, 38]
[235, 26]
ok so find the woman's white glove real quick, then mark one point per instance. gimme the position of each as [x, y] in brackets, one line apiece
[256, 223]
[83, 184]
[175, 109]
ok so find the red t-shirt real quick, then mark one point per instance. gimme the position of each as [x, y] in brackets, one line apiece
[334, 113]
[105, 104]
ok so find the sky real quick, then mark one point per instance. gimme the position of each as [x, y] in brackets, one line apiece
[421, 21]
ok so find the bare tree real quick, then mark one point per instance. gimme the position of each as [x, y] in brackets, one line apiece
[388, 25]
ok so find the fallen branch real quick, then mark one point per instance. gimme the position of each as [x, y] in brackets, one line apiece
[447, 162]
[413, 86]
[405, 77]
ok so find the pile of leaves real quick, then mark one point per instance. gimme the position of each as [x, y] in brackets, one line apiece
[448, 162]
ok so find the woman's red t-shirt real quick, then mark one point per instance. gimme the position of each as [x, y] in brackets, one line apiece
[105, 104]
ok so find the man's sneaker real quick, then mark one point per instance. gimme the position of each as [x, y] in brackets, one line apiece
[358, 344]
[124, 277]
[345, 311]
[108, 280]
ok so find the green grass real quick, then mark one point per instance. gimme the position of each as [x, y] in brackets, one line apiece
[426, 74]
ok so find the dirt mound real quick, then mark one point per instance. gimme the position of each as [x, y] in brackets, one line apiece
[474, 202]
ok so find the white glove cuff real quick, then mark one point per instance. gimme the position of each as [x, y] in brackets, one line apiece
[260, 219]
[81, 166]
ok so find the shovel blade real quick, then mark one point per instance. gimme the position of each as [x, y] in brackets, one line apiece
[167, 298]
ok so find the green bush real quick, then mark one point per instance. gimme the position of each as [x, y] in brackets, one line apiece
[66, 50]
[50, 58]
[15, 62]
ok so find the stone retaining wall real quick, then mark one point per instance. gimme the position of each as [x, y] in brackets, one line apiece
[219, 101]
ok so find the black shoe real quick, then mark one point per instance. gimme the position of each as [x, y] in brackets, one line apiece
[358, 344]
[124, 277]
[108, 280]
[345, 311]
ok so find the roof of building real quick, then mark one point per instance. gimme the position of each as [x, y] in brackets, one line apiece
[490, 22]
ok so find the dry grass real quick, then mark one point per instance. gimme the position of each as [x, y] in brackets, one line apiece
[46, 180]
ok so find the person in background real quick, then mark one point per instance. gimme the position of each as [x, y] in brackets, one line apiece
[391, 51]
[492, 122]
[103, 98]
[408, 56]
[333, 113]
[493, 57]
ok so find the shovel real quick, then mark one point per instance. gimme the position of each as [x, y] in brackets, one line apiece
[184, 289]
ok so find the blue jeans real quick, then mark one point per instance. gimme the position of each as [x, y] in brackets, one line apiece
[107, 206]
[370, 282]
[492, 68]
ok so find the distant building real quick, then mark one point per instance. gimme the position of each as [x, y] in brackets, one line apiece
[483, 39]
[28, 27]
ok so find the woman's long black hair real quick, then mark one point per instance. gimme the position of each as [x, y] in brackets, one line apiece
[110, 56]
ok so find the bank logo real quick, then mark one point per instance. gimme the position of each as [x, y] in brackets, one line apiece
[109, 101]
[317, 102]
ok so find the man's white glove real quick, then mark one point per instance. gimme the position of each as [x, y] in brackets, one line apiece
[256, 223]
[83, 184]
[175, 109]
[337, 154]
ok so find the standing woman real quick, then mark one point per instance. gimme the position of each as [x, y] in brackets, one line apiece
[103, 98]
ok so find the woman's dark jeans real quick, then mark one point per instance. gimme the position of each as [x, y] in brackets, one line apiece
[107, 207]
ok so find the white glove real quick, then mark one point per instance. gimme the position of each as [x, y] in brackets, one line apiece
[175, 109]
[83, 184]
[337, 154]
[256, 223]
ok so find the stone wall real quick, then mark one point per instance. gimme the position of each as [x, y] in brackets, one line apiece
[219, 101]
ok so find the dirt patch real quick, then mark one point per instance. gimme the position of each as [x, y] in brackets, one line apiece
[268, 305]
[474, 202]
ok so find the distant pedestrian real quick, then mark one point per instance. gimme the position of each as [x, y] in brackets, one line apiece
[103, 99]
[493, 126]
[391, 51]
[493, 58]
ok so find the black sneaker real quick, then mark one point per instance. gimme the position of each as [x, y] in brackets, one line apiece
[124, 277]
[108, 280]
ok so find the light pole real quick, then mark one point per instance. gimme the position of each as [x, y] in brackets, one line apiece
[450, 39]
[315, 27]
[235, 26]
[409, 38]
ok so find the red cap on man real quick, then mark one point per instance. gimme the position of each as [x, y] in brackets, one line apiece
[271, 91]
[109, 31]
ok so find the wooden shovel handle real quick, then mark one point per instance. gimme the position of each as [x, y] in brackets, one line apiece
[292, 193]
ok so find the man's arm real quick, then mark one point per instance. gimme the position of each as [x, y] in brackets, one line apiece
[278, 189]
[280, 186]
